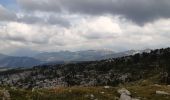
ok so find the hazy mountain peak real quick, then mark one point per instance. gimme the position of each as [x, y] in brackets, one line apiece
[24, 53]
[3, 56]
[64, 56]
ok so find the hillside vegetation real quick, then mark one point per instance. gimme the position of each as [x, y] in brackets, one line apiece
[80, 81]
[140, 92]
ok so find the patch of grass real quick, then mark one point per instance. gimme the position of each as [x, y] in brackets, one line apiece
[69, 93]
[149, 92]
[144, 92]
[80, 93]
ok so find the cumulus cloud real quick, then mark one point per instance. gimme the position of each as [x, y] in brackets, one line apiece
[80, 33]
[98, 28]
[50, 25]
[89, 33]
[24, 33]
[138, 11]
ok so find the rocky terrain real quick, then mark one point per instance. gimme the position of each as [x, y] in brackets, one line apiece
[135, 91]
[127, 77]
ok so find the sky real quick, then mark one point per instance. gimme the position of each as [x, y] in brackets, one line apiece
[54, 25]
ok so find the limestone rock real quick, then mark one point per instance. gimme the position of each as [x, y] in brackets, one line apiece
[135, 99]
[124, 96]
[6, 95]
[162, 93]
[106, 87]
[124, 91]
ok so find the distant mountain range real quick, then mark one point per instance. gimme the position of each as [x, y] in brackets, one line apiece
[63, 57]
[126, 53]
[67, 56]
[11, 61]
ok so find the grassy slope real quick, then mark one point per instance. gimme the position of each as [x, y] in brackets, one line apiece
[143, 90]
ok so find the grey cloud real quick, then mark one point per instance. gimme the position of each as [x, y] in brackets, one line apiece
[97, 36]
[51, 20]
[30, 19]
[24, 40]
[58, 20]
[6, 15]
[138, 11]
[40, 5]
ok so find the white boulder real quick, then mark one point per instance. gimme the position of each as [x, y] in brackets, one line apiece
[124, 96]
[106, 87]
[162, 93]
[124, 91]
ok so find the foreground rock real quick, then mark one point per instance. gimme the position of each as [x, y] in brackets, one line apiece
[124, 91]
[6, 95]
[162, 93]
[107, 87]
[125, 94]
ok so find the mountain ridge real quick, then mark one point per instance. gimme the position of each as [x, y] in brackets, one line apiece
[62, 57]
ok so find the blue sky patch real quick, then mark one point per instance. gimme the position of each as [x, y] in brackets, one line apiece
[10, 4]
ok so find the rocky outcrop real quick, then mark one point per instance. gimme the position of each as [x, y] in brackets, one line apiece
[125, 94]
[162, 93]
[124, 91]
[106, 87]
[6, 95]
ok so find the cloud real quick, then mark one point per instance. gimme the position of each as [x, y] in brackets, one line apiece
[30, 19]
[24, 33]
[6, 15]
[61, 21]
[51, 36]
[138, 11]
[98, 28]
[33, 17]
[40, 5]
[50, 25]
[43, 19]
[85, 33]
